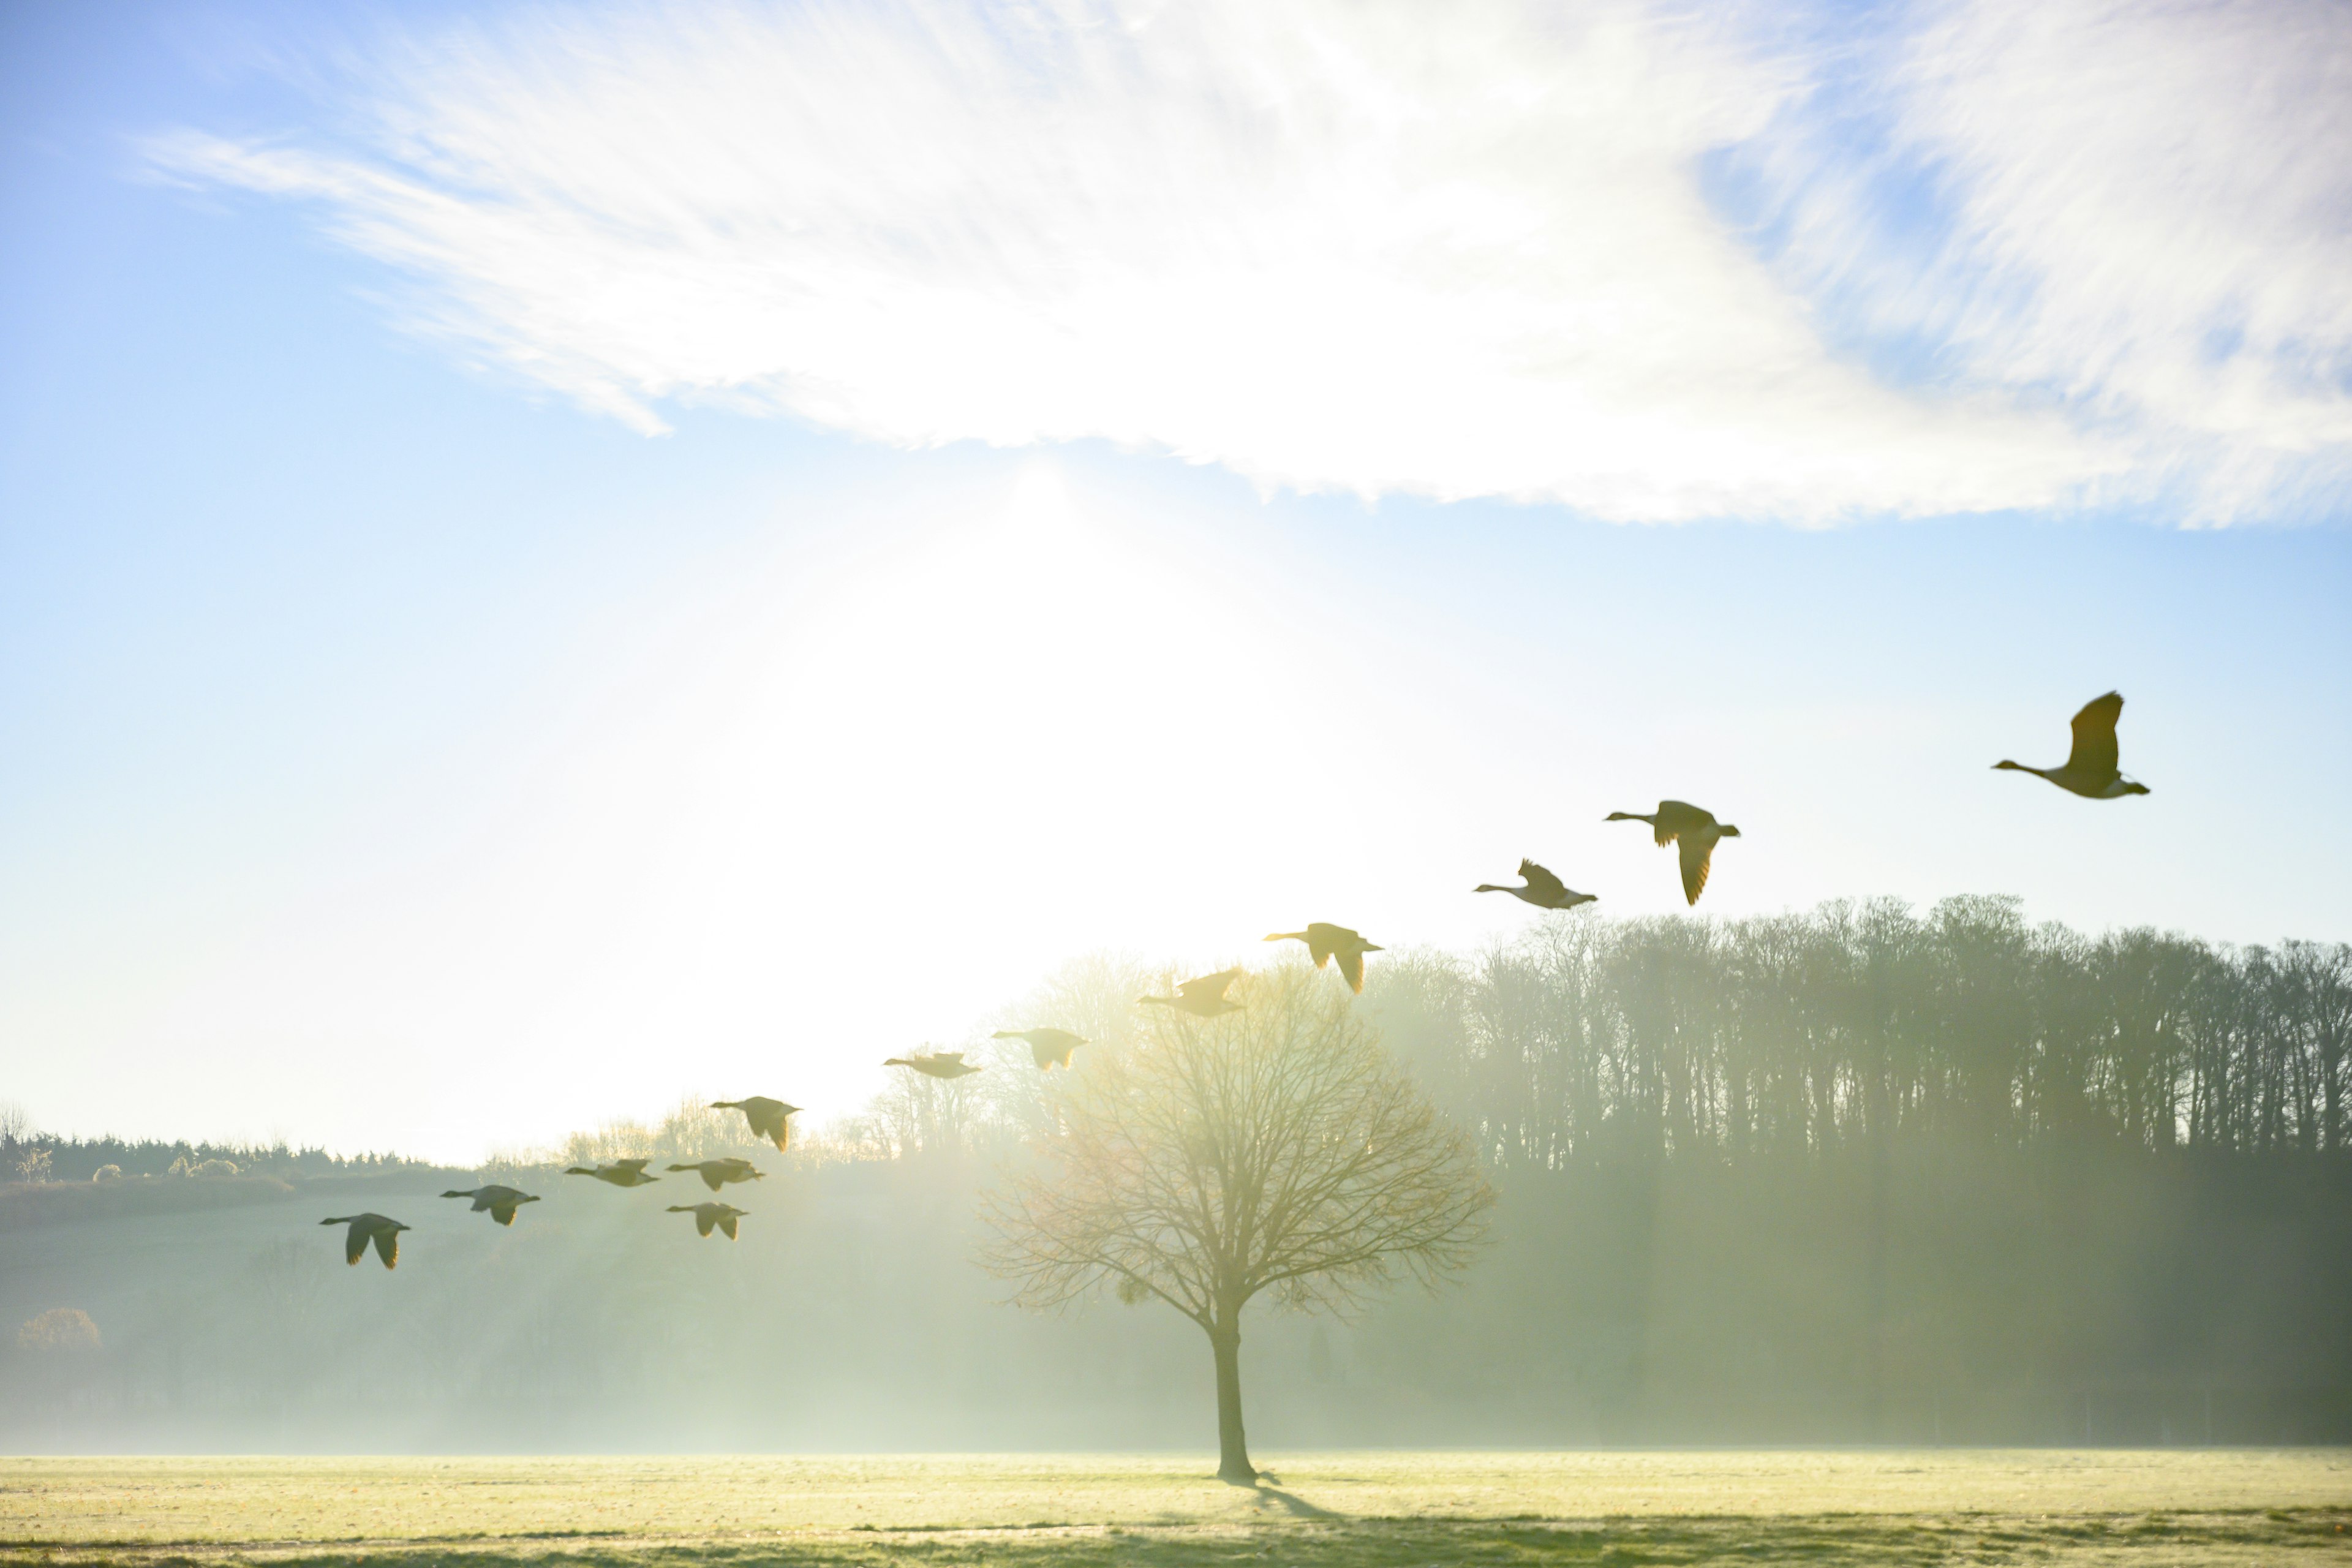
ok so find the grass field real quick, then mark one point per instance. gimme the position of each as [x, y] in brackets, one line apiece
[1895, 1507]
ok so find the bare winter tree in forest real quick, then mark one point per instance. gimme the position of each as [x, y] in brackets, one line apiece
[1278, 1149]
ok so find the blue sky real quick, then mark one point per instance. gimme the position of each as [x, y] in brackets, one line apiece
[508, 559]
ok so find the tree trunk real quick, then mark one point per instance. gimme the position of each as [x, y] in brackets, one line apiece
[1233, 1451]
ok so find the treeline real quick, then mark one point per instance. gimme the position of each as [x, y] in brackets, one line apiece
[1589, 1040]
[33, 1156]
[1801, 1034]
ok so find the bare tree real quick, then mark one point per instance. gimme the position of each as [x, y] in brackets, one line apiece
[1278, 1149]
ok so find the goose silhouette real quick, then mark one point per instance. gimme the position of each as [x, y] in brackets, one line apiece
[1543, 890]
[2090, 769]
[619, 1174]
[1326, 943]
[501, 1202]
[934, 1064]
[766, 1116]
[367, 1227]
[717, 1173]
[1203, 998]
[1698, 831]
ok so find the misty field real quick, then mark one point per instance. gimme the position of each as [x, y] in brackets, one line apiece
[1898, 1507]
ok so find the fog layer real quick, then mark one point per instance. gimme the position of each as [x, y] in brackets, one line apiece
[1854, 1176]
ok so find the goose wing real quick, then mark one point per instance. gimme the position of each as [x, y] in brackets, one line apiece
[632, 1167]
[704, 1218]
[1697, 853]
[713, 1174]
[387, 1247]
[727, 1224]
[1209, 987]
[355, 1242]
[2094, 751]
[1546, 887]
[1049, 1048]
[767, 1119]
[503, 1213]
[1351, 967]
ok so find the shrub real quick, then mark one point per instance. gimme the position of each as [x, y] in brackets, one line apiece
[60, 1331]
[107, 1173]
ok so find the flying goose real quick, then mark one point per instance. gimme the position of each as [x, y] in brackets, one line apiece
[705, 1215]
[620, 1172]
[1544, 890]
[501, 1202]
[1698, 831]
[1326, 943]
[1203, 998]
[367, 1227]
[1050, 1047]
[934, 1064]
[717, 1173]
[2090, 771]
[766, 1117]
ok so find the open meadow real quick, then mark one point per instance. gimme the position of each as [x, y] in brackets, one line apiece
[1821, 1506]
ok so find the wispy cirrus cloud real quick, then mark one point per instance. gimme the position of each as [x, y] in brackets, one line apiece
[1384, 248]
[2141, 213]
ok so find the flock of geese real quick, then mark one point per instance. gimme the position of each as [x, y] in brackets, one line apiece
[2091, 770]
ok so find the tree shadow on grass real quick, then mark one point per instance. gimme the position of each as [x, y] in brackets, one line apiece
[1295, 1506]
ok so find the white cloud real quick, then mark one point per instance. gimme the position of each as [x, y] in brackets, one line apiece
[1455, 251]
[2143, 212]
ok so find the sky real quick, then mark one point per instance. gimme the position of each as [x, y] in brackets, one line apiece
[557, 557]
